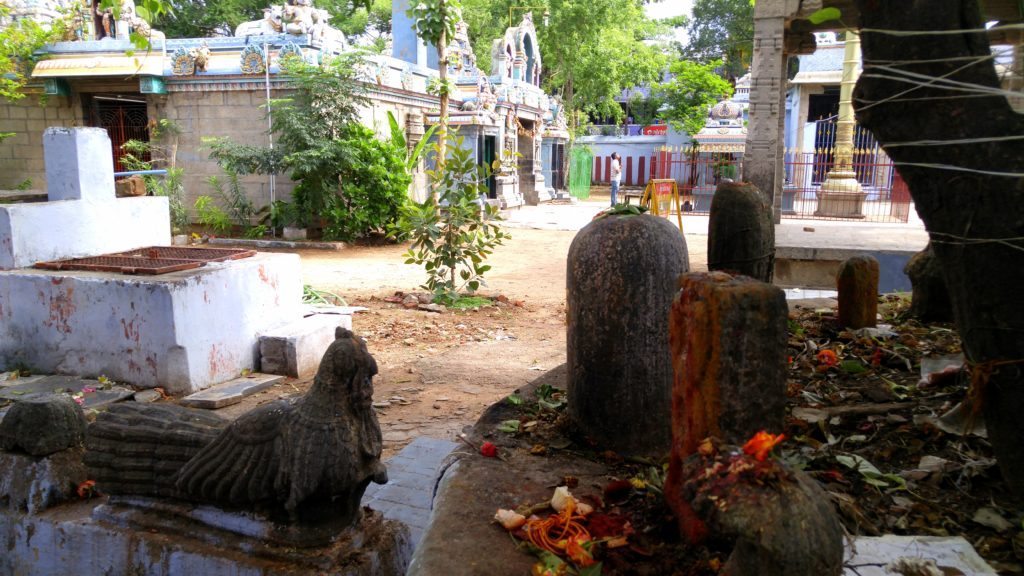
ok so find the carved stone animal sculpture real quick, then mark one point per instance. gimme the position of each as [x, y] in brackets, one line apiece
[304, 460]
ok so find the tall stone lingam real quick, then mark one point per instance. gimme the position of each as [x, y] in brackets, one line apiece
[621, 277]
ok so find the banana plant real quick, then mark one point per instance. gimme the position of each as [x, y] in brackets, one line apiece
[398, 139]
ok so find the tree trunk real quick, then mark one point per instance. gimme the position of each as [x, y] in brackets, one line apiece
[442, 128]
[967, 189]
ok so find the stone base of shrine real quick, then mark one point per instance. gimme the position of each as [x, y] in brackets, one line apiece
[183, 331]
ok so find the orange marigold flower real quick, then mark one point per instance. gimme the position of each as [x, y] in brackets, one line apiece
[86, 489]
[577, 552]
[827, 358]
[761, 445]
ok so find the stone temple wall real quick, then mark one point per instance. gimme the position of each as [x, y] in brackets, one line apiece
[237, 113]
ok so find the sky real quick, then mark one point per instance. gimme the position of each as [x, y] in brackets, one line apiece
[667, 8]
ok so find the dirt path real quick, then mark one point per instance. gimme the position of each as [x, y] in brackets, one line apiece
[438, 372]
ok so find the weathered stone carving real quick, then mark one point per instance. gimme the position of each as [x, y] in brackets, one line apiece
[305, 460]
[42, 426]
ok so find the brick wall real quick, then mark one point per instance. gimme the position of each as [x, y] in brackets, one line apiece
[21, 156]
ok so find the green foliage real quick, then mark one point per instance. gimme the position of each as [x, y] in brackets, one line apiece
[453, 243]
[19, 42]
[170, 185]
[349, 182]
[375, 186]
[24, 185]
[645, 110]
[722, 30]
[237, 205]
[212, 216]
[200, 18]
[434, 17]
[694, 89]
[398, 139]
[313, 296]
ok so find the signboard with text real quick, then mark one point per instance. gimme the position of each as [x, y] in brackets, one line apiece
[655, 130]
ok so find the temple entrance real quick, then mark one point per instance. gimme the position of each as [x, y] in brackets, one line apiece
[527, 180]
[486, 154]
[123, 116]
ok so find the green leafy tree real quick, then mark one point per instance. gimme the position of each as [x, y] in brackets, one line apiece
[453, 246]
[200, 18]
[722, 30]
[693, 90]
[348, 181]
[19, 41]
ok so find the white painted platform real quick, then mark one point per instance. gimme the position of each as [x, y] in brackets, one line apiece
[83, 217]
[183, 331]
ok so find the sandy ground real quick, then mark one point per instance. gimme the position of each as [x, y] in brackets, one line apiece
[439, 371]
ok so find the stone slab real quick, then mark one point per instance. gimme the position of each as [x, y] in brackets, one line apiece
[230, 392]
[295, 349]
[413, 474]
[279, 244]
[69, 540]
[68, 384]
[867, 556]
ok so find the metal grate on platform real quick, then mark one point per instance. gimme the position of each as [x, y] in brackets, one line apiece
[189, 253]
[151, 261]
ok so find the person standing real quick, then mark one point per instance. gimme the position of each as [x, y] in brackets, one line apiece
[616, 175]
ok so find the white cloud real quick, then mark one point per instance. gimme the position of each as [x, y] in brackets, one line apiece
[669, 8]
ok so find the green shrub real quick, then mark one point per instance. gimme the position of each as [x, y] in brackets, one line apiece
[452, 241]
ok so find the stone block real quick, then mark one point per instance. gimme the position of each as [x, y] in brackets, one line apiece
[79, 164]
[295, 349]
[35, 113]
[18, 111]
[30, 485]
[132, 186]
[230, 392]
[857, 284]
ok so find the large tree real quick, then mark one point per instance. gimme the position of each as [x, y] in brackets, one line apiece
[692, 91]
[591, 49]
[933, 100]
[722, 29]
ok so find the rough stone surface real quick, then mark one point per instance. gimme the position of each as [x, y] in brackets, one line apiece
[621, 276]
[230, 392]
[132, 186]
[37, 387]
[43, 425]
[728, 341]
[778, 522]
[72, 542]
[741, 235]
[857, 284]
[30, 485]
[930, 301]
[303, 462]
[295, 349]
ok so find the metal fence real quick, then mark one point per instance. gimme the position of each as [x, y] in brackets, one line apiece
[698, 172]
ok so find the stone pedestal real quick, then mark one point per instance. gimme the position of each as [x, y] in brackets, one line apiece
[183, 331]
[82, 207]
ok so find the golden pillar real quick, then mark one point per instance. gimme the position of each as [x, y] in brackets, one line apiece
[841, 195]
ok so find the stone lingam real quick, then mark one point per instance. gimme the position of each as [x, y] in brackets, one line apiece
[291, 472]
